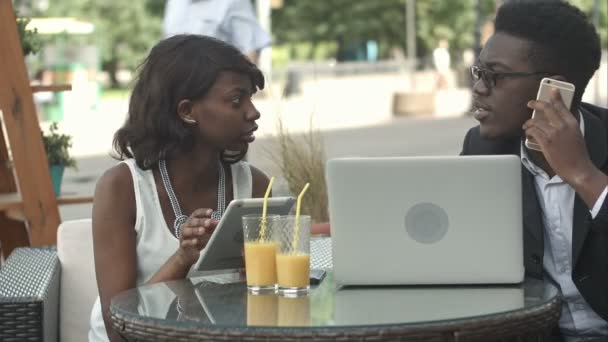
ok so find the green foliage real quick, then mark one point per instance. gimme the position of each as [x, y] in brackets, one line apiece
[30, 41]
[347, 21]
[587, 6]
[124, 30]
[451, 20]
[156, 7]
[307, 29]
[56, 146]
[344, 21]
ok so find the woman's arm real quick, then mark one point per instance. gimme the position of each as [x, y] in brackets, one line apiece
[114, 216]
[114, 236]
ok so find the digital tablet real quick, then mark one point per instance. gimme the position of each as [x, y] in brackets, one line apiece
[224, 249]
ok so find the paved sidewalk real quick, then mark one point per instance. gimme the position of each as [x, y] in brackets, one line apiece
[395, 137]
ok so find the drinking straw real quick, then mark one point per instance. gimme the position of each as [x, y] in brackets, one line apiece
[296, 231]
[264, 209]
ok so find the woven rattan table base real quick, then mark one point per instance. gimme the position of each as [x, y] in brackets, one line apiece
[523, 325]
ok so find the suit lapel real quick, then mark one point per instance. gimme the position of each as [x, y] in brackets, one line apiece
[595, 139]
[533, 223]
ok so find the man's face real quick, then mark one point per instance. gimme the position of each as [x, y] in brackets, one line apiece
[500, 106]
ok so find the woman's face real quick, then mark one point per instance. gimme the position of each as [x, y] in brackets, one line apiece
[226, 116]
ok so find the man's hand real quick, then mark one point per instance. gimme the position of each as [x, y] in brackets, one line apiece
[558, 133]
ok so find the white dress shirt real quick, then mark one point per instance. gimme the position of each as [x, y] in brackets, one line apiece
[556, 199]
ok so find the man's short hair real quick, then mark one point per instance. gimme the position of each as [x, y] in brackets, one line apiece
[564, 42]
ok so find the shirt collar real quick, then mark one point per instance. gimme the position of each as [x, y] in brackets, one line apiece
[534, 169]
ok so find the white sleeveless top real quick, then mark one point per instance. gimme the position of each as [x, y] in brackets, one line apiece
[154, 243]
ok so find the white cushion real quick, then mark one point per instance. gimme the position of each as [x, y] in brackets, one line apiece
[78, 283]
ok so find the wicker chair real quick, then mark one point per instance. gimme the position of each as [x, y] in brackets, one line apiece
[29, 295]
[46, 294]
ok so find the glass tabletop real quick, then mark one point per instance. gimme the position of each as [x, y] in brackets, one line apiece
[222, 301]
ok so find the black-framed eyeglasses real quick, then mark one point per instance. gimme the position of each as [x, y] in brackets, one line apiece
[490, 77]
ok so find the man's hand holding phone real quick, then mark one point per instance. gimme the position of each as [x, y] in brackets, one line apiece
[547, 86]
[559, 135]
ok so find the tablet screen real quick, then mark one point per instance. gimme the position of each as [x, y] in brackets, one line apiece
[224, 249]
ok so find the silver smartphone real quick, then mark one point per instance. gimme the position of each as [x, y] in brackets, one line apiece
[224, 249]
[544, 94]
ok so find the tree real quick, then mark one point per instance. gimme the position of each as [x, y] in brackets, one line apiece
[124, 30]
[30, 40]
[451, 20]
[342, 21]
[347, 21]
[588, 7]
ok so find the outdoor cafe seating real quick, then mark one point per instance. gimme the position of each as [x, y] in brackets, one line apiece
[46, 294]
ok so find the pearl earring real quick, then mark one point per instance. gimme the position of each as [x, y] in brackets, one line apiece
[189, 121]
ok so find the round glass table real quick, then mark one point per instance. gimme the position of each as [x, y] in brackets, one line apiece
[218, 307]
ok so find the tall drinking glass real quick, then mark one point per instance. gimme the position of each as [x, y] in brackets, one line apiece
[293, 255]
[260, 252]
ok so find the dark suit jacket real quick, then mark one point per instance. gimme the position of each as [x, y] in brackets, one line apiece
[590, 236]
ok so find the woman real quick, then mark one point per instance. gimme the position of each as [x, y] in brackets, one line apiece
[189, 124]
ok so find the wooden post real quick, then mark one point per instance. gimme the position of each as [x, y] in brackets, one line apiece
[24, 137]
[13, 233]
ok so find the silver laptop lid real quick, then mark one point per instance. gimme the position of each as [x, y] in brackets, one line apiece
[426, 220]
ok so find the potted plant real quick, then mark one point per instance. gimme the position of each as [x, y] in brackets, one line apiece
[56, 146]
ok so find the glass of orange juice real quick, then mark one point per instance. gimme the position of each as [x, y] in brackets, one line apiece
[260, 252]
[293, 254]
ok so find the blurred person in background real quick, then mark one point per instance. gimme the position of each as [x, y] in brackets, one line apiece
[442, 61]
[232, 21]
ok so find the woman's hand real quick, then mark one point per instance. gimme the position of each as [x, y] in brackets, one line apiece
[196, 232]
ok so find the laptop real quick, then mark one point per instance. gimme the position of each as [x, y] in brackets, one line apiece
[426, 220]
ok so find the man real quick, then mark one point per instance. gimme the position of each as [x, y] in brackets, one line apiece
[232, 21]
[565, 185]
